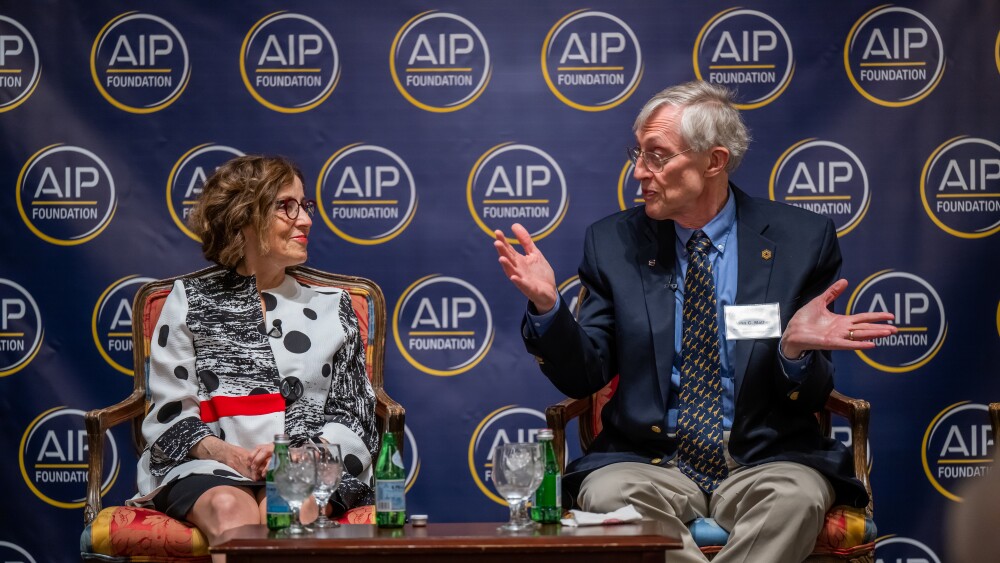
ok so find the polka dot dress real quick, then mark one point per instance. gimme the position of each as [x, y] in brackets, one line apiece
[221, 366]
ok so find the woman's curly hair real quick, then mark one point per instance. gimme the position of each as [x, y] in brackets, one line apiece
[241, 192]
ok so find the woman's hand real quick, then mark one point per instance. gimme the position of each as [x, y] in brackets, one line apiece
[239, 459]
[260, 458]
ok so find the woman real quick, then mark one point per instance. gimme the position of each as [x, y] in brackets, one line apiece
[247, 353]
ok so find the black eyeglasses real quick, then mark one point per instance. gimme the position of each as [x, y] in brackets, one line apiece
[291, 207]
[654, 162]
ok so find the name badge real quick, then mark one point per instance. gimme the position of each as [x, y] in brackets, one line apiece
[750, 322]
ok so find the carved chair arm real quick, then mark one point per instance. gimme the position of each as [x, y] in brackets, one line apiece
[557, 416]
[857, 412]
[390, 414]
[98, 421]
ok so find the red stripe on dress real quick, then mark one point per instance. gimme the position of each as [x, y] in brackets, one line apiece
[218, 407]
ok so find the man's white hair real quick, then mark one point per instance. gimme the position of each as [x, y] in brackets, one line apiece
[709, 118]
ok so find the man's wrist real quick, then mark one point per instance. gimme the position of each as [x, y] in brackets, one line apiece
[544, 306]
[791, 352]
[799, 356]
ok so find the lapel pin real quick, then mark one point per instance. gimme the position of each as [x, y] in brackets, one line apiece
[652, 263]
[766, 254]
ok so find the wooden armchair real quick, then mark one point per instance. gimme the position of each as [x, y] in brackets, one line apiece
[848, 534]
[124, 534]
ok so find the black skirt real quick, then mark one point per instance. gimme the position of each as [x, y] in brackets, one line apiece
[177, 499]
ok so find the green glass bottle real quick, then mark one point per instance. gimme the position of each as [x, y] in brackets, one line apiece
[279, 514]
[546, 504]
[390, 485]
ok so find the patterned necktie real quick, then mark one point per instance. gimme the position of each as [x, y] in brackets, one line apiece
[699, 451]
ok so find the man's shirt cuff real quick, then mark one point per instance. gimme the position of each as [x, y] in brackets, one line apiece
[795, 368]
[538, 323]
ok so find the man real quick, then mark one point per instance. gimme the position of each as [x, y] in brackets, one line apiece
[714, 413]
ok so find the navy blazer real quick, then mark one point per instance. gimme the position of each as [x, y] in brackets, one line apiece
[626, 327]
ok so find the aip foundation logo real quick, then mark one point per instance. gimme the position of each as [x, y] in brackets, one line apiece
[187, 177]
[748, 51]
[20, 67]
[513, 182]
[845, 435]
[570, 292]
[53, 458]
[957, 446]
[591, 60]
[824, 177]
[504, 425]
[289, 62]
[412, 461]
[629, 189]
[442, 325]
[111, 323]
[960, 187]
[14, 553]
[440, 62]
[366, 194]
[996, 52]
[894, 56]
[21, 329]
[920, 320]
[899, 549]
[66, 195]
[139, 63]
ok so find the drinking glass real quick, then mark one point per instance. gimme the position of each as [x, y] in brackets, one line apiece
[295, 479]
[517, 472]
[329, 471]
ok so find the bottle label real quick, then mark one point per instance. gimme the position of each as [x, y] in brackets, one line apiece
[276, 504]
[543, 496]
[390, 495]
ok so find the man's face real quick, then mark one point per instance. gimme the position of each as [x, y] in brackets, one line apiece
[677, 192]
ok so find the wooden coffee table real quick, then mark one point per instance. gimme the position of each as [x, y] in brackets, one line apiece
[644, 542]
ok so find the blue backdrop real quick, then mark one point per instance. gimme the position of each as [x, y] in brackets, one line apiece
[422, 126]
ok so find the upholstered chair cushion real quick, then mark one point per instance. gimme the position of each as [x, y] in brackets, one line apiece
[845, 530]
[124, 534]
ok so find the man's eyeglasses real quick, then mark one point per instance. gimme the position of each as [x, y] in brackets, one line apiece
[654, 162]
[291, 207]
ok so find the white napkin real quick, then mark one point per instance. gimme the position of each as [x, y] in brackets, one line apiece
[627, 513]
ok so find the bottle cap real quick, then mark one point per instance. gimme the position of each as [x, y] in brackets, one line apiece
[418, 519]
[545, 434]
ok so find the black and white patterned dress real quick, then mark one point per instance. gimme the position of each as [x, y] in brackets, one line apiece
[218, 366]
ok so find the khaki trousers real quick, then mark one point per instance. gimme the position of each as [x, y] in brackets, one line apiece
[773, 511]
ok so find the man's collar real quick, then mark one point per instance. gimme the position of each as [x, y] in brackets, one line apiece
[717, 229]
